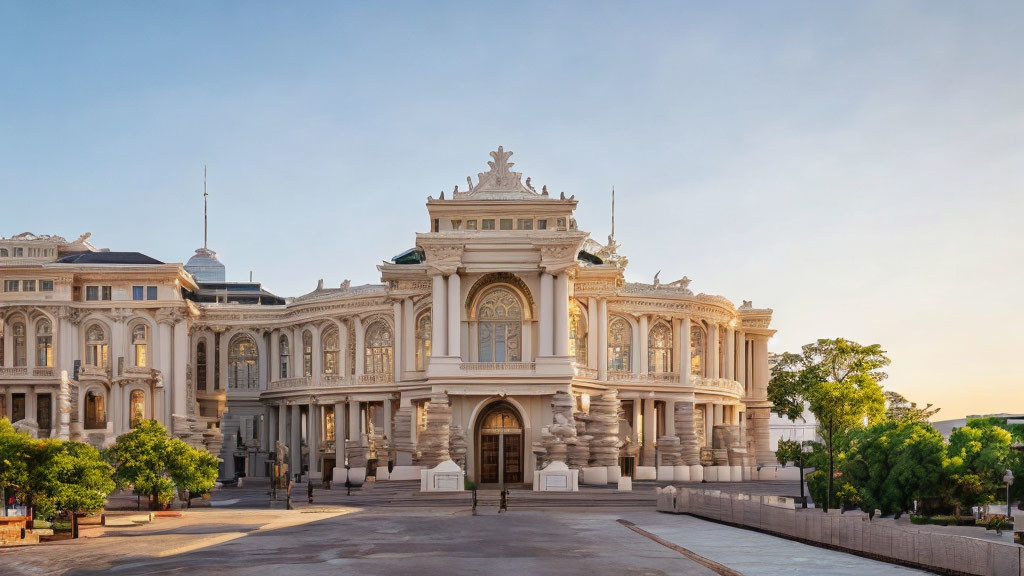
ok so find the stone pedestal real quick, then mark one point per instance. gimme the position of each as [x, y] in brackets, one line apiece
[603, 425]
[445, 477]
[595, 476]
[433, 442]
[556, 477]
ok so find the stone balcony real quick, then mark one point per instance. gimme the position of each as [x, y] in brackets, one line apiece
[9, 372]
[329, 381]
[486, 369]
[697, 383]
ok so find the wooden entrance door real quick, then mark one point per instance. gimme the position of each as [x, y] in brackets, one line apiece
[489, 446]
[500, 438]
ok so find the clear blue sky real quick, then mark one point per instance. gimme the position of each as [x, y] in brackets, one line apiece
[857, 166]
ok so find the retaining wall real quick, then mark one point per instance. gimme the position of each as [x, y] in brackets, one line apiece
[854, 532]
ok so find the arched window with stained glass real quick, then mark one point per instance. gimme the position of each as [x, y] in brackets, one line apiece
[424, 330]
[44, 343]
[97, 349]
[697, 345]
[243, 363]
[331, 346]
[577, 335]
[136, 408]
[283, 355]
[620, 345]
[499, 317]
[20, 344]
[659, 348]
[379, 344]
[140, 344]
[201, 364]
[307, 353]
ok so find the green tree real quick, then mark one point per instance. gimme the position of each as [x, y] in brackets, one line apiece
[838, 380]
[154, 464]
[893, 463]
[16, 452]
[976, 459]
[69, 476]
[899, 408]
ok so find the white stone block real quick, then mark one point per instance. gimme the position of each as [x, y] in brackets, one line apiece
[646, 473]
[666, 473]
[682, 474]
[405, 472]
[445, 477]
[625, 484]
[711, 474]
[339, 475]
[696, 473]
[357, 476]
[736, 473]
[767, 473]
[614, 473]
[382, 474]
[556, 477]
[595, 476]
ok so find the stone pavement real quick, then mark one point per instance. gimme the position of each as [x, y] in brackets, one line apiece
[439, 540]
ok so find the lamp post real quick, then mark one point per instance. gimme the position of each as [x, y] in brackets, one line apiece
[804, 449]
[1008, 478]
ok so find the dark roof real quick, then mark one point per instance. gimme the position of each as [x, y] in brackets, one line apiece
[410, 256]
[107, 258]
[588, 257]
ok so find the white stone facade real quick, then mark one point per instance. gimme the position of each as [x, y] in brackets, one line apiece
[503, 304]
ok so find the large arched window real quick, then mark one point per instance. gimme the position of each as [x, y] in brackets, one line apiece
[95, 411]
[97, 350]
[697, 342]
[500, 325]
[659, 348]
[243, 363]
[283, 355]
[44, 343]
[331, 350]
[379, 345]
[136, 407]
[201, 364]
[577, 336]
[307, 353]
[20, 344]
[423, 335]
[140, 345]
[620, 344]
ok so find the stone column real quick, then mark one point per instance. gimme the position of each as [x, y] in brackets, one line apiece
[438, 314]
[282, 427]
[409, 322]
[546, 347]
[314, 442]
[670, 421]
[562, 314]
[30, 360]
[684, 351]
[713, 351]
[360, 360]
[454, 310]
[730, 354]
[318, 357]
[649, 433]
[687, 431]
[180, 357]
[388, 431]
[355, 432]
[741, 361]
[592, 323]
[339, 437]
[164, 339]
[602, 340]
[399, 340]
[275, 356]
[677, 350]
[343, 368]
[271, 417]
[296, 341]
[295, 445]
[709, 423]
[643, 345]
[634, 359]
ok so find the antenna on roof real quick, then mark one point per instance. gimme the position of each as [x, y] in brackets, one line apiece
[204, 206]
[613, 212]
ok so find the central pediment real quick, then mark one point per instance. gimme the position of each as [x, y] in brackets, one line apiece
[499, 183]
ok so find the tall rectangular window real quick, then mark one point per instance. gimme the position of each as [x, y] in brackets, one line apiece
[92, 292]
[542, 224]
[150, 292]
[12, 285]
[106, 293]
[505, 224]
[488, 224]
[28, 286]
[136, 292]
[46, 285]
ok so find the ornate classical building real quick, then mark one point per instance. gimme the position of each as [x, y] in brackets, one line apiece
[504, 339]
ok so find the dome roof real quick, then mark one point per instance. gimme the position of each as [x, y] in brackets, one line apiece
[205, 267]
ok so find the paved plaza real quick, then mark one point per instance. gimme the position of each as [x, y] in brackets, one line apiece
[433, 540]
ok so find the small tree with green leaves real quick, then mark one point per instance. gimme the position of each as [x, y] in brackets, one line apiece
[70, 477]
[17, 450]
[976, 459]
[899, 408]
[838, 380]
[154, 464]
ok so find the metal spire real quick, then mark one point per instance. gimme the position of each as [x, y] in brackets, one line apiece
[204, 206]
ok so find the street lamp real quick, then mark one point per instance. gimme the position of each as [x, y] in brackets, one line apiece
[805, 448]
[1008, 478]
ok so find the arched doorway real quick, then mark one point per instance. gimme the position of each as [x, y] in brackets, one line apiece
[499, 436]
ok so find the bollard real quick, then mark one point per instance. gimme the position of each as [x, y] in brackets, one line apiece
[503, 503]
[474, 501]
[309, 491]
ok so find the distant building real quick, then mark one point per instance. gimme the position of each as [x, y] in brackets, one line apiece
[946, 427]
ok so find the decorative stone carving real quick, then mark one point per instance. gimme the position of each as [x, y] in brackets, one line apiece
[64, 408]
[603, 426]
[689, 448]
[500, 182]
[557, 436]
[433, 442]
[457, 446]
